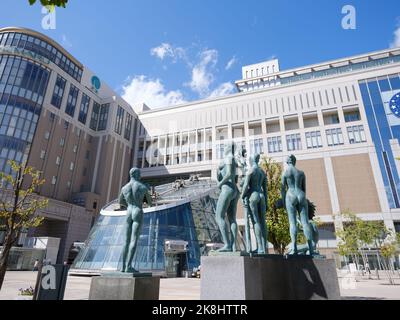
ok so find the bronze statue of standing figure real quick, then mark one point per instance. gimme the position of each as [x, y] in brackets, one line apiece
[254, 193]
[294, 199]
[131, 198]
[228, 199]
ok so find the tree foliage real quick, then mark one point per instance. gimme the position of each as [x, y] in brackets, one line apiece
[277, 219]
[359, 234]
[18, 206]
[45, 3]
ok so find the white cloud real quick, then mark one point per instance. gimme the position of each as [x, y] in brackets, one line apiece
[223, 89]
[396, 40]
[202, 76]
[167, 50]
[140, 89]
[230, 63]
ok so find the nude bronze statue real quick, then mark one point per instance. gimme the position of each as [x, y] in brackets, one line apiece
[228, 198]
[131, 198]
[255, 191]
[294, 199]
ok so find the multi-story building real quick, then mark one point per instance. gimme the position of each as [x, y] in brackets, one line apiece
[339, 118]
[58, 116]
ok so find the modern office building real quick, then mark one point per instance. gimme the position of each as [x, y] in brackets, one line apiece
[60, 118]
[339, 118]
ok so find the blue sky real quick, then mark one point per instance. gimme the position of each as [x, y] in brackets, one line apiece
[170, 51]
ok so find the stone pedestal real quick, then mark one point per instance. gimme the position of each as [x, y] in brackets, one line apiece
[268, 277]
[124, 287]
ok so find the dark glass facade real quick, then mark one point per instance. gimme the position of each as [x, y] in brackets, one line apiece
[193, 222]
[128, 126]
[103, 117]
[84, 109]
[95, 116]
[72, 100]
[58, 92]
[42, 48]
[384, 126]
[22, 88]
[119, 120]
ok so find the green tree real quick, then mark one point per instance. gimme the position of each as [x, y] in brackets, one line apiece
[359, 235]
[388, 249]
[58, 3]
[277, 219]
[18, 206]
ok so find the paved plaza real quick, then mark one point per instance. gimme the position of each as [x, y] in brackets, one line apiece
[189, 289]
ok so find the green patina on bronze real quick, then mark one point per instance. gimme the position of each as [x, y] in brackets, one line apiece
[254, 196]
[295, 201]
[131, 198]
[228, 199]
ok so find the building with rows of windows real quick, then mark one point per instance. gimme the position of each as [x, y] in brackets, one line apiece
[339, 118]
[59, 117]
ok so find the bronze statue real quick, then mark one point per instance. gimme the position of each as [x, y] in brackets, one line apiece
[294, 199]
[254, 192]
[131, 198]
[302, 249]
[243, 166]
[228, 198]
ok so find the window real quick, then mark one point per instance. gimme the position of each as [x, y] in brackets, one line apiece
[95, 116]
[42, 154]
[293, 142]
[84, 109]
[52, 117]
[274, 144]
[71, 166]
[237, 131]
[351, 115]
[222, 133]
[66, 125]
[119, 121]
[273, 126]
[87, 155]
[62, 142]
[291, 124]
[334, 137]
[327, 231]
[255, 129]
[331, 117]
[256, 146]
[103, 117]
[47, 135]
[68, 184]
[58, 92]
[220, 151]
[356, 134]
[128, 126]
[75, 148]
[313, 139]
[54, 180]
[84, 172]
[310, 120]
[58, 161]
[72, 100]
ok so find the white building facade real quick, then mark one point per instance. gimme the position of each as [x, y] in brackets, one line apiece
[336, 117]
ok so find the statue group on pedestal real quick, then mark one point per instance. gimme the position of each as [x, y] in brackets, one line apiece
[253, 193]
